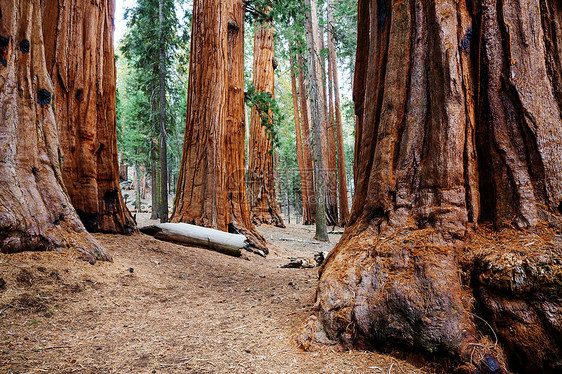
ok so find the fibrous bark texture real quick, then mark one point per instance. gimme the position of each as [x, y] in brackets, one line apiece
[240, 220]
[81, 61]
[201, 192]
[305, 187]
[459, 140]
[211, 185]
[307, 144]
[261, 178]
[35, 210]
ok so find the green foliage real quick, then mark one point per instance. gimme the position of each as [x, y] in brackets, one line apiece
[269, 112]
[138, 82]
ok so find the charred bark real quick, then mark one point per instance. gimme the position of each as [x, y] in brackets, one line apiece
[35, 210]
[81, 61]
[459, 124]
[261, 178]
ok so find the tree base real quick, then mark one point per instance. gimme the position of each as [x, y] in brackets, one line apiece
[482, 302]
[61, 236]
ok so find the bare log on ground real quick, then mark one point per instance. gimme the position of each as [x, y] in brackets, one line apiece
[186, 234]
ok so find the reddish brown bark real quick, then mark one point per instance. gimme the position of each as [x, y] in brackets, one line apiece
[261, 177]
[211, 186]
[305, 188]
[201, 193]
[307, 143]
[81, 61]
[237, 202]
[338, 123]
[35, 210]
[460, 124]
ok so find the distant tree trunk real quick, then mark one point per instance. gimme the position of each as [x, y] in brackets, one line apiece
[318, 116]
[201, 192]
[162, 110]
[154, 187]
[459, 144]
[342, 175]
[307, 145]
[81, 61]
[306, 206]
[138, 187]
[332, 166]
[239, 217]
[261, 168]
[35, 210]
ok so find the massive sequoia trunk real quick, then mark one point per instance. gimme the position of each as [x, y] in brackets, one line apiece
[261, 178]
[81, 61]
[201, 191]
[35, 210]
[452, 238]
[211, 185]
[239, 219]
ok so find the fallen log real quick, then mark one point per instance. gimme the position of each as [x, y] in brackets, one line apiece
[191, 235]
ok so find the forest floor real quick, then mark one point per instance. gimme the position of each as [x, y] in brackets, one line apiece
[164, 308]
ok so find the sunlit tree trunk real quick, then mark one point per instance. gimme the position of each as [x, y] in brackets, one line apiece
[81, 61]
[35, 210]
[331, 171]
[459, 144]
[307, 144]
[237, 202]
[342, 175]
[305, 187]
[318, 116]
[261, 175]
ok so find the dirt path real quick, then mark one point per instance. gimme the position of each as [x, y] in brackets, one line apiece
[164, 308]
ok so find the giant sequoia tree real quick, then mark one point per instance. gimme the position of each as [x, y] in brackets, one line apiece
[261, 176]
[211, 185]
[35, 210]
[81, 61]
[459, 186]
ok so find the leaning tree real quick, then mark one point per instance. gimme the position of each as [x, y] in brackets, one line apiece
[453, 244]
[78, 39]
[35, 210]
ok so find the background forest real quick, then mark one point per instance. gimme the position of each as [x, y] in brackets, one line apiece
[137, 48]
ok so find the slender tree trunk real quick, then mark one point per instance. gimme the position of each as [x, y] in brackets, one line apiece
[163, 135]
[306, 206]
[237, 202]
[307, 145]
[138, 179]
[342, 175]
[81, 61]
[154, 187]
[318, 116]
[459, 140]
[201, 192]
[332, 166]
[261, 169]
[35, 210]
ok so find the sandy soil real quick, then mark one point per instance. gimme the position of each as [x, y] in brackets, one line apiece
[164, 308]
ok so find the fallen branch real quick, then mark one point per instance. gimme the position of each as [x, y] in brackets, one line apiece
[191, 235]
